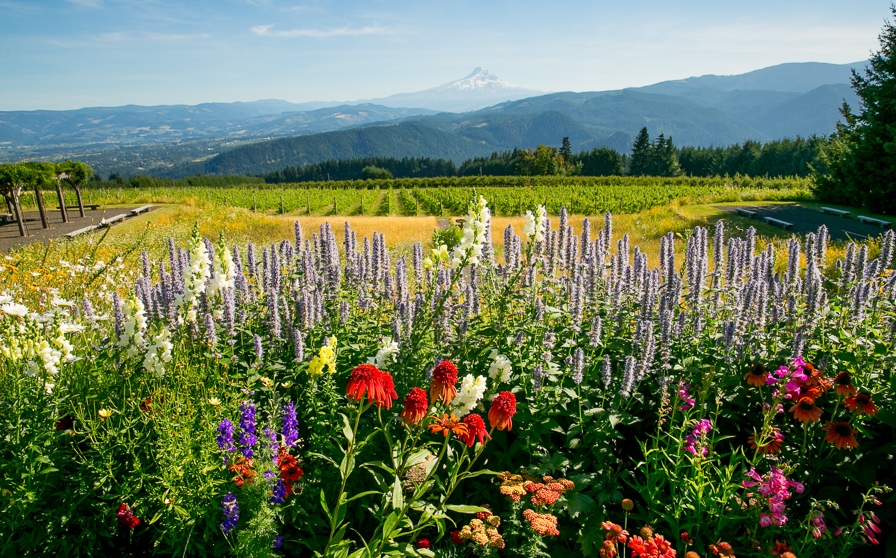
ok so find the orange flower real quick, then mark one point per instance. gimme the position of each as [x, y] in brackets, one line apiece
[500, 415]
[723, 549]
[243, 470]
[475, 429]
[444, 380]
[615, 532]
[448, 424]
[757, 375]
[814, 378]
[543, 524]
[861, 404]
[415, 406]
[841, 434]
[378, 385]
[843, 381]
[806, 411]
[771, 446]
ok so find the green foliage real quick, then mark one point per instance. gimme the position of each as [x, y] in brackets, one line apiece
[860, 160]
[656, 159]
[375, 173]
[786, 157]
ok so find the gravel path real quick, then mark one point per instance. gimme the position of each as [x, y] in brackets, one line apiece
[9, 231]
[807, 220]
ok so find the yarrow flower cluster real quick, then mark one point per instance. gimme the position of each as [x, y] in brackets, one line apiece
[472, 389]
[500, 369]
[544, 524]
[483, 532]
[469, 249]
[534, 227]
[774, 488]
[697, 436]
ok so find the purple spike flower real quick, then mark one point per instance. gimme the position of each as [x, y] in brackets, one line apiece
[278, 493]
[231, 513]
[247, 426]
[290, 425]
[225, 436]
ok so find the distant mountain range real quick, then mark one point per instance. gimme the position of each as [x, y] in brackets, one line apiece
[780, 101]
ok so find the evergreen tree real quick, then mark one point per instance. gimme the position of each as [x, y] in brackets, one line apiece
[566, 150]
[861, 156]
[639, 162]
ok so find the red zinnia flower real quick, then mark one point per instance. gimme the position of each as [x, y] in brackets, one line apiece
[378, 385]
[289, 468]
[475, 429]
[805, 410]
[861, 404]
[757, 375]
[422, 543]
[843, 381]
[126, 517]
[841, 434]
[444, 379]
[500, 415]
[415, 406]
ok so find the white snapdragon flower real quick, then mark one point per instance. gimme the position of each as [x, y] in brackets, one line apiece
[472, 388]
[500, 369]
[386, 355]
[470, 246]
[534, 227]
[158, 353]
[195, 280]
[225, 271]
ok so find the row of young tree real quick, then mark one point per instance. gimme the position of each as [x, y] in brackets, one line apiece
[16, 177]
[659, 157]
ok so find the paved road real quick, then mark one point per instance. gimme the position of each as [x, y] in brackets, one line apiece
[9, 231]
[807, 220]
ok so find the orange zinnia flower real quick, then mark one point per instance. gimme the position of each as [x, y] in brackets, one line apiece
[378, 385]
[415, 406]
[444, 379]
[861, 404]
[843, 381]
[448, 424]
[772, 446]
[805, 410]
[500, 415]
[841, 434]
[757, 375]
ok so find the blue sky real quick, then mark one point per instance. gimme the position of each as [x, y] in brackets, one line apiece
[63, 54]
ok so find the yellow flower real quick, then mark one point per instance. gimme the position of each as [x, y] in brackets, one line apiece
[326, 357]
[286, 385]
[214, 401]
[105, 413]
[266, 382]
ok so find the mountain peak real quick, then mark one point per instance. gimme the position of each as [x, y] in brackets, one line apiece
[480, 79]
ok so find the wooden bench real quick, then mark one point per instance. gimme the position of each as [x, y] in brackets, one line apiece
[111, 220]
[86, 229]
[831, 210]
[778, 223]
[855, 235]
[746, 212]
[90, 206]
[140, 210]
[873, 221]
[7, 217]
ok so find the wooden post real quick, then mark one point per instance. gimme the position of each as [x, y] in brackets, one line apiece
[61, 201]
[40, 207]
[282, 210]
[20, 218]
[362, 203]
[80, 201]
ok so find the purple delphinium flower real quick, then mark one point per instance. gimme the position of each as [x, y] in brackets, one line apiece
[247, 426]
[290, 425]
[278, 541]
[231, 513]
[225, 436]
[269, 475]
[278, 493]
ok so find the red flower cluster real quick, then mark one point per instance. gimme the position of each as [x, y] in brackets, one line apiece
[422, 543]
[653, 546]
[378, 385]
[444, 380]
[500, 415]
[415, 406]
[547, 493]
[475, 430]
[290, 472]
[615, 535]
[243, 469]
[126, 517]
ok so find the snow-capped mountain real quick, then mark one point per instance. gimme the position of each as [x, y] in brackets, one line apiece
[478, 90]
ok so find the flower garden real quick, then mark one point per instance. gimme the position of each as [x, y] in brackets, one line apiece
[556, 394]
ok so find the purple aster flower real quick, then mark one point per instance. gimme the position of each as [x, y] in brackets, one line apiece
[231, 513]
[290, 425]
[247, 425]
[225, 436]
[278, 493]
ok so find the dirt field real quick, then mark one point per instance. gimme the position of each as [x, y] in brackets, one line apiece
[9, 231]
[807, 220]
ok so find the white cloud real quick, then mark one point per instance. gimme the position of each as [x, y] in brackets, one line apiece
[266, 31]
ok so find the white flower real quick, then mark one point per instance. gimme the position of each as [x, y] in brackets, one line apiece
[14, 309]
[48, 387]
[387, 354]
[500, 369]
[470, 246]
[534, 227]
[65, 327]
[57, 301]
[472, 388]
[4, 299]
[195, 280]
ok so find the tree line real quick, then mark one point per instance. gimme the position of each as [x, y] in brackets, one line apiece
[657, 157]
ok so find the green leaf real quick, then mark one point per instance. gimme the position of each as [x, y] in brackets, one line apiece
[397, 494]
[466, 509]
[580, 504]
[361, 495]
[389, 524]
[347, 429]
